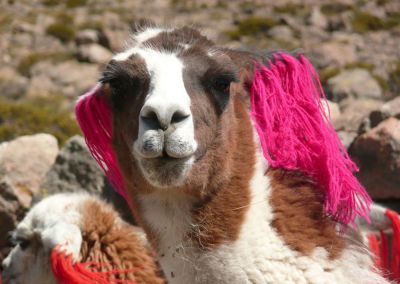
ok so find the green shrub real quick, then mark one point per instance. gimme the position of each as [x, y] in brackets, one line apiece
[335, 8]
[251, 26]
[51, 3]
[359, 64]
[290, 8]
[63, 32]
[363, 22]
[26, 63]
[33, 116]
[328, 73]
[394, 79]
[75, 3]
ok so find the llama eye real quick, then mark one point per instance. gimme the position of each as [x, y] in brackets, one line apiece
[222, 85]
[22, 242]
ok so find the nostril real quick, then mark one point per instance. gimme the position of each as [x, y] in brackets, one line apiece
[178, 117]
[151, 119]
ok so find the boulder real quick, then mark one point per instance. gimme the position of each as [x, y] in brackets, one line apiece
[334, 53]
[10, 213]
[391, 108]
[74, 170]
[356, 83]
[377, 152]
[94, 53]
[353, 112]
[317, 19]
[12, 84]
[87, 36]
[281, 32]
[69, 77]
[24, 163]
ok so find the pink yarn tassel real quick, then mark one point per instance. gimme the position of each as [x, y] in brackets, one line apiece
[94, 116]
[295, 133]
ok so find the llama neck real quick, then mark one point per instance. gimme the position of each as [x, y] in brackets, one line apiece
[192, 249]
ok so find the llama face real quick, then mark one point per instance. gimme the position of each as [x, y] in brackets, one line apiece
[27, 262]
[168, 94]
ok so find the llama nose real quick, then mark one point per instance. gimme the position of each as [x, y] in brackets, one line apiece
[163, 116]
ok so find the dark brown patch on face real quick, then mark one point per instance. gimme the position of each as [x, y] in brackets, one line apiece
[299, 216]
[116, 245]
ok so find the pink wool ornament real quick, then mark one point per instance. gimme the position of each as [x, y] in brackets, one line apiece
[287, 108]
[295, 133]
[94, 116]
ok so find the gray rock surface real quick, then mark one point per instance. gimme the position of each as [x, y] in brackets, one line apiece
[70, 77]
[356, 83]
[94, 53]
[74, 170]
[334, 53]
[12, 84]
[24, 162]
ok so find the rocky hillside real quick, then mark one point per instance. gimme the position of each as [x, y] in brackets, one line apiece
[52, 51]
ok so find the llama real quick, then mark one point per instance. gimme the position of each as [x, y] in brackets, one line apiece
[228, 189]
[76, 239]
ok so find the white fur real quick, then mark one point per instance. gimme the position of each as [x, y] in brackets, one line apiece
[54, 221]
[259, 255]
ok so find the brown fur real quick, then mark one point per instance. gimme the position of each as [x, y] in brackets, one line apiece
[219, 216]
[108, 240]
[299, 216]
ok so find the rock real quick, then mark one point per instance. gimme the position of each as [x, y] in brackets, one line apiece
[94, 53]
[353, 112]
[347, 137]
[281, 32]
[377, 152]
[10, 212]
[317, 19]
[69, 77]
[392, 108]
[116, 38]
[12, 84]
[355, 82]
[76, 170]
[334, 110]
[86, 37]
[24, 162]
[334, 53]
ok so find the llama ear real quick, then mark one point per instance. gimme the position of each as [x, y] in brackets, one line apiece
[94, 115]
[295, 133]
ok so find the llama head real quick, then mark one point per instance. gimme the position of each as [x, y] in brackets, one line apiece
[50, 223]
[177, 102]
[170, 97]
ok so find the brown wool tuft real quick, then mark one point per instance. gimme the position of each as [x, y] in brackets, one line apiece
[299, 215]
[116, 245]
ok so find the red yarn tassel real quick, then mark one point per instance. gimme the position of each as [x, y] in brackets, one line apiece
[68, 272]
[395, 251]
[374, 246]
